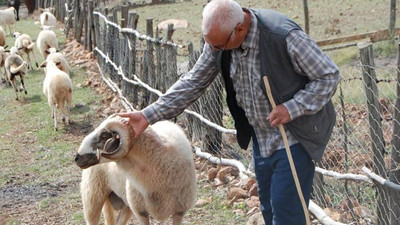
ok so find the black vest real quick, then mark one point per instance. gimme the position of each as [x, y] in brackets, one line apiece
[312, 131]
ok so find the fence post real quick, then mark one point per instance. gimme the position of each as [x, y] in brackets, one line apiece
[194, 124]
[392, 21]
[159, 58]
[374, 118]
[78, 23]
[394, 174]
[171, 59]
[91, 38]
[148, 65]
[132, 90]
[110, 52]
[86, 35]
[306, 17]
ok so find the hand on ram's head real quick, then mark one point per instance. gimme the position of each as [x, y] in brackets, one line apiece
[111, 140]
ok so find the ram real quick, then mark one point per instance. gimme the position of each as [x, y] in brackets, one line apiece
[153, 174]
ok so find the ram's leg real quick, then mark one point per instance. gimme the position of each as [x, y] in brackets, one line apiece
[124, 215]
[108, 213]
[177, 219]
[136, 203]
[92, 207]
[142, 217]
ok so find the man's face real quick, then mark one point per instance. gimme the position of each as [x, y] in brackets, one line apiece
[221, 40]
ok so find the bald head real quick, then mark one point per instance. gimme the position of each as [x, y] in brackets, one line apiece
[224, 14]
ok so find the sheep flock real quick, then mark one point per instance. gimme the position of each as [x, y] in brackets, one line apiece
[19, 57]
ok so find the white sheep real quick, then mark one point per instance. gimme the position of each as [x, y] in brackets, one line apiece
[57, 87]
[25, 46]
[8, 17]
[59, 59]
[3, 55]
[47, 18]
[154, 173]
[15, 66]
[46, 39]
[2, 37]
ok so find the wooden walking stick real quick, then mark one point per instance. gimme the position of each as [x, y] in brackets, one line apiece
[289, 154]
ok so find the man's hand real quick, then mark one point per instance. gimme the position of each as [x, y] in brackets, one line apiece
[279, 115]
[138, 122]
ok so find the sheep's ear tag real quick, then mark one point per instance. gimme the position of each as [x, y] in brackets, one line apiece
[112, 144]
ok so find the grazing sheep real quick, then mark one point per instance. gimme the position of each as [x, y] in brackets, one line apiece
[15, 4]
[3, 55]
[25, 45]
[47, 18]
[57, 87]
[15, 66]
[59, 59]
[2, 37]
[46, 39]
[154, 173]
[7, 17]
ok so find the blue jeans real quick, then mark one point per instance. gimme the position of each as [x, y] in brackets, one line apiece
[280, 203]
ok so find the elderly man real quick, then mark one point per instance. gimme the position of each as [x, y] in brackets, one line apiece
[244, 45]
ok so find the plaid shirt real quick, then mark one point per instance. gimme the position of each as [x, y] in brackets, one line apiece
[307, 59]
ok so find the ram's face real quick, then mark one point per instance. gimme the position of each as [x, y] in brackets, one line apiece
[110, 141]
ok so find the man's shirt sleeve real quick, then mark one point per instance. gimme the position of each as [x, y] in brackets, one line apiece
[186, 90]
[308, 59]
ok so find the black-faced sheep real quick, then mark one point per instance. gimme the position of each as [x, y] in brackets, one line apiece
[57, 87]
[154, 173]
[46, 39]
[25, 46]
[15, 4]
[15, 66]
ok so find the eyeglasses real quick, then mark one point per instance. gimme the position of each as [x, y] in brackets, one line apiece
[216, 48]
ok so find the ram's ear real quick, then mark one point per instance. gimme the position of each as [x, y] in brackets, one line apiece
[41, 10]
[6, 46]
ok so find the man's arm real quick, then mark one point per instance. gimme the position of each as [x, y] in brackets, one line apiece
[180, 95]
[308, 59]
